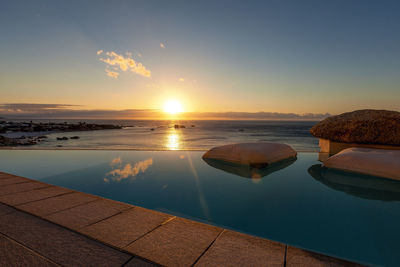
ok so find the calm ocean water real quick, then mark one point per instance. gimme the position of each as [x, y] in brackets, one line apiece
[198, 135]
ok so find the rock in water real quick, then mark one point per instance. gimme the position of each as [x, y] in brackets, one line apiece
[256, 155]
[368, 161]
[366, 126]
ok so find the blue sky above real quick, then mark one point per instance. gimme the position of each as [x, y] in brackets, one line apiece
[283, 56]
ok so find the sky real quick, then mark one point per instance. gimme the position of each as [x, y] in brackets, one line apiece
[215, 56]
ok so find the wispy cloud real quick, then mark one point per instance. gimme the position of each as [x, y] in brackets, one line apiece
[181, 79]
[126, 63]
[22, 108]
[112, 74]
[99, 52]
[162, 45]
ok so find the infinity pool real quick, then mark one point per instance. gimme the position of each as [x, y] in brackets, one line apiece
[300, 203]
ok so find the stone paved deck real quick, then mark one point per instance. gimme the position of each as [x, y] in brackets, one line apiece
[46, 225]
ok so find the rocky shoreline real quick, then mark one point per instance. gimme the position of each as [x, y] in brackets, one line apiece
[7, 127]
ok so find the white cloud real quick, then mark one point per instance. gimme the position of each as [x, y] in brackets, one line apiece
[99, 52]
[125, 64]
[162, 45]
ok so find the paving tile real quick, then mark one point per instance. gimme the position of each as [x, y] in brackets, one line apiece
[300, 257]
[137, 262]
[236, 249]
[14, 254]
[124, 228]
[57, 203]
[15, 188]
[178, 242]
[83, 215]
[4, 175]
[13, 180]
[4, 209]
[33, 195]
[58, 244]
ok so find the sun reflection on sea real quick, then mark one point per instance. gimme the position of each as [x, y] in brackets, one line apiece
[172, 141]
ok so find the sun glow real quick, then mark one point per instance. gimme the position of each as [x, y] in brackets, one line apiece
[173, 106]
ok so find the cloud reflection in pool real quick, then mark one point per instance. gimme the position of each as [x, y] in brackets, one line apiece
[126, 171]
[116, 161]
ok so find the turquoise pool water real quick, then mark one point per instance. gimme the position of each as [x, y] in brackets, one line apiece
[299, 203]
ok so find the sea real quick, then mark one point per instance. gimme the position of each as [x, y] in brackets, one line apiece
[191, 134]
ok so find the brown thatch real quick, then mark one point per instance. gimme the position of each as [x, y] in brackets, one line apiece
[366, 126]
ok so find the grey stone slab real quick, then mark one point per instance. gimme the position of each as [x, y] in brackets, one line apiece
[83, 215]
[58, 203]
[237, 249]
[21, 187]
[178, 242]
[137, 262]
[14, 254]
[124, 228]
[33, 195]
[13, 180]
[4, 209]
[58, 244]
[300, 257]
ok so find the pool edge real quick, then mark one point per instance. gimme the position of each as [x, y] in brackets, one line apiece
[157, 237]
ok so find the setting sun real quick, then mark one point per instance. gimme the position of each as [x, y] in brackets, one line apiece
[173, 106]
